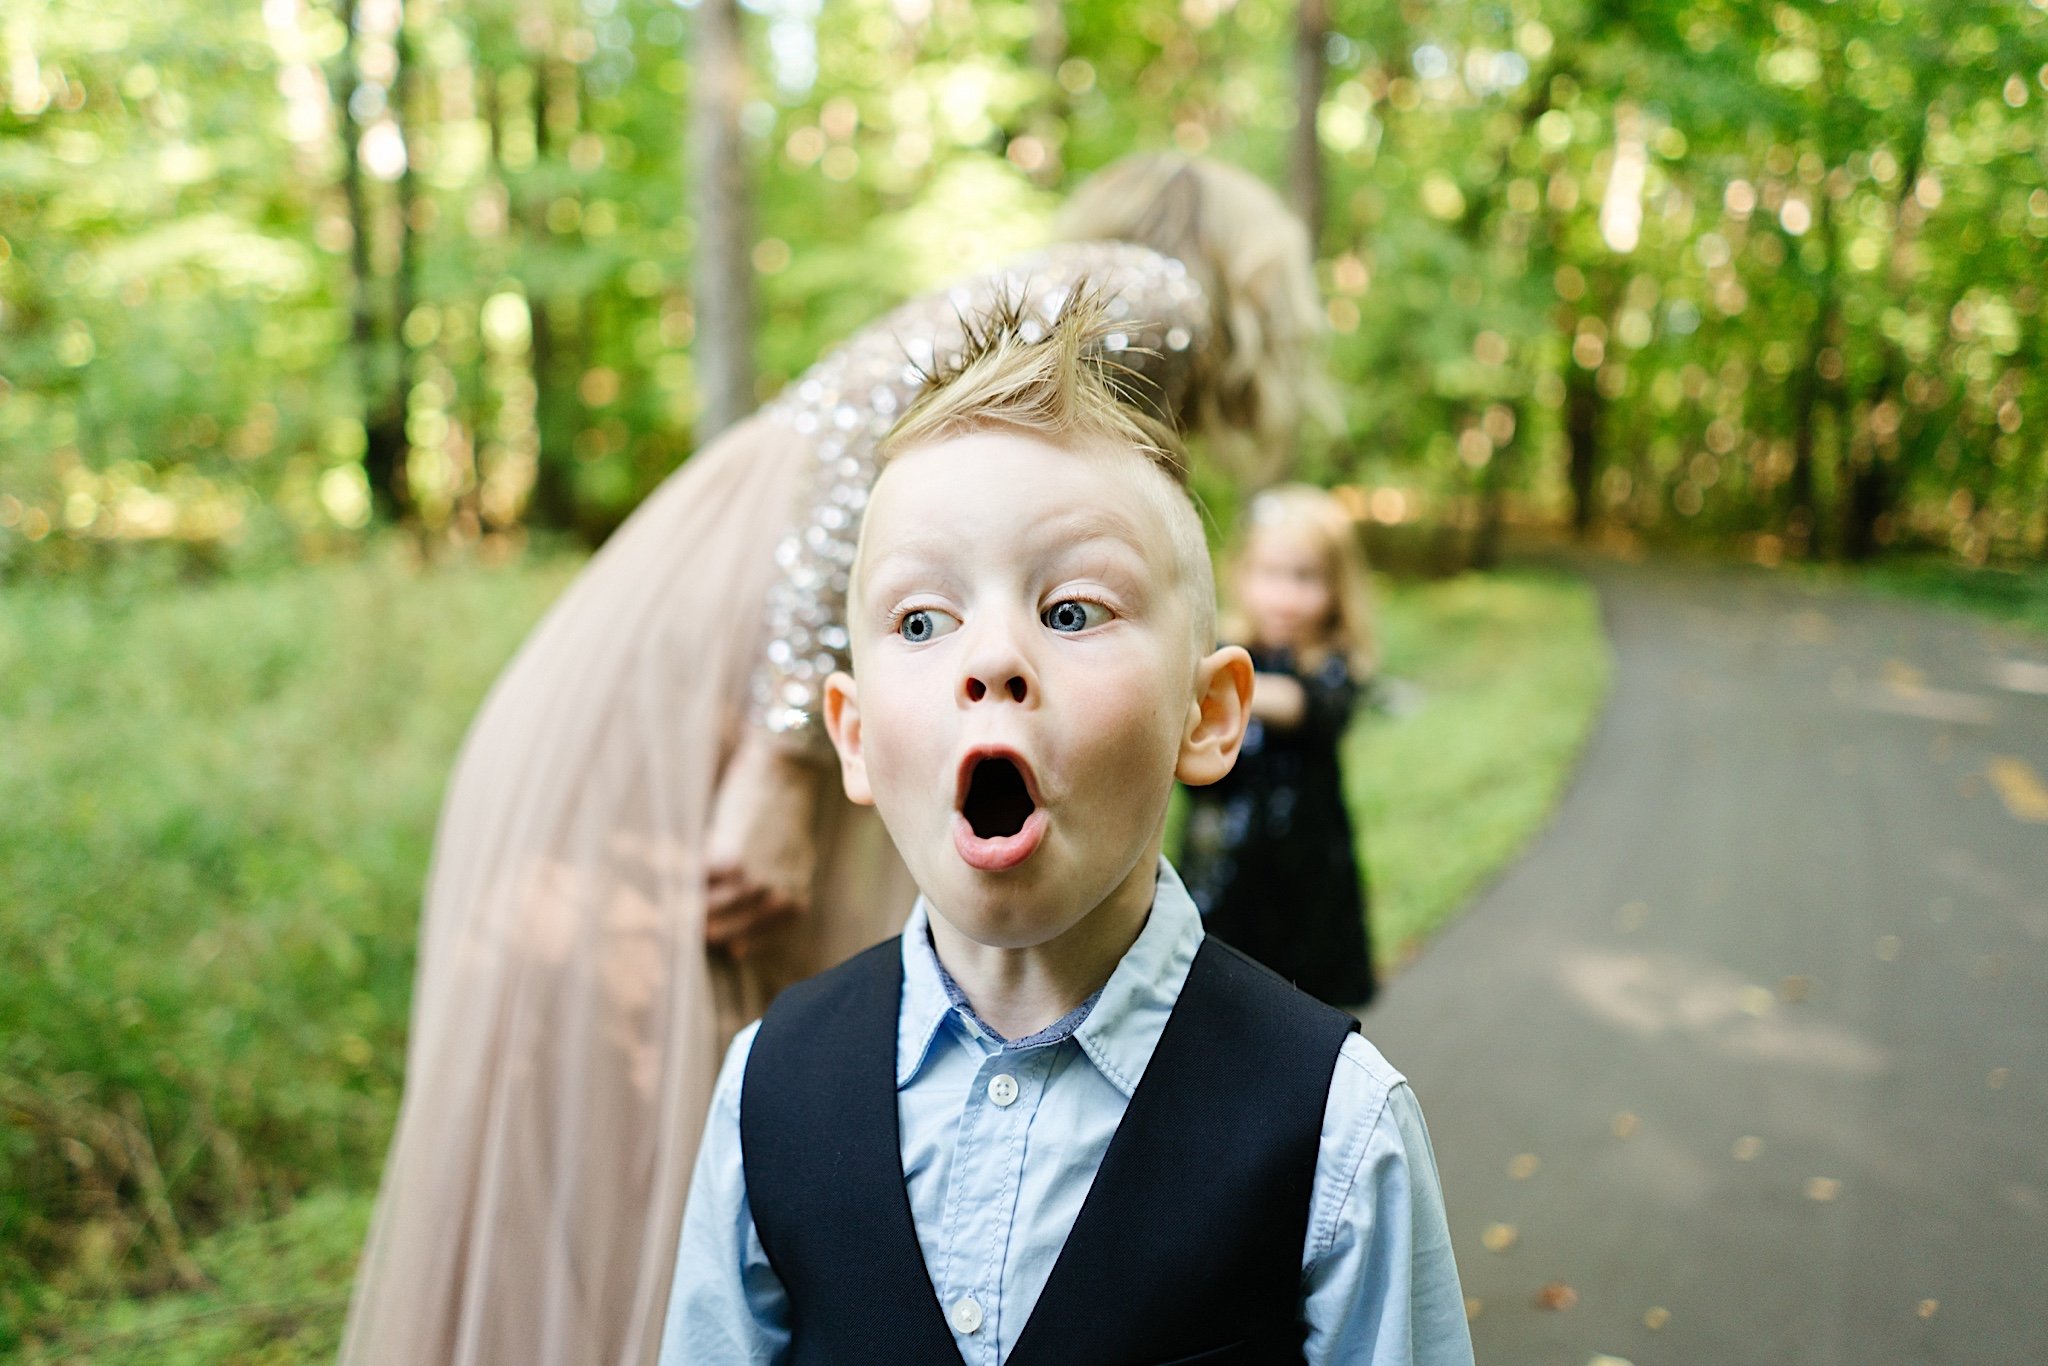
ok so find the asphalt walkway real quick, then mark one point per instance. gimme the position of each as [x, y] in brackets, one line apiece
[1746, 1060]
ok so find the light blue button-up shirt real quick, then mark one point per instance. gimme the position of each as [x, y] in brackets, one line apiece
[1002, 1139]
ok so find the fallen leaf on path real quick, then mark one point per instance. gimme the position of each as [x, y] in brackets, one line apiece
[1498, 1237]
[1523, 1167]
[1889, 947]
[1746, 1148]
[1903, 678]
[1999, 1075]
[1928, 1308]
[1794, 989]
[1556, 1295]
[1655, 1317]
[1604, 1360]
[1822, 1188]
[1473, 1305]
[2024, 797]
[1624, 1125]
[1758, 1001]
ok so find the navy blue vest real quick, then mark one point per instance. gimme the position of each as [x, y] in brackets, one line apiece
[1187, 1248]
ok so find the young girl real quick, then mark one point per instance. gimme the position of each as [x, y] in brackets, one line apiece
[1268, 854]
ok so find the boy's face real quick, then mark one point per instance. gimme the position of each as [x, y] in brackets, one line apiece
[1027, 687]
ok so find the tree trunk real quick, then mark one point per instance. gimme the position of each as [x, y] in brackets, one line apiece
[1493, 486]
[386, 425]
[722, 279]
[554, 401]
[1871, 486]
[380, 458]
[1305, 155]
[1582, 405]
[1049, 119]
[1801, 519]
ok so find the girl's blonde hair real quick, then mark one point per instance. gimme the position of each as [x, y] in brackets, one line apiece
[1317, 520]
[1262, 371]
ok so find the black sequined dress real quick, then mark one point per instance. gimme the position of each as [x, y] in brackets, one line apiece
[1268, 854]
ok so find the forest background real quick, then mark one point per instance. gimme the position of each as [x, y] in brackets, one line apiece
[300, 300]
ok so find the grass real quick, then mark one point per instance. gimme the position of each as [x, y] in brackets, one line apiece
[218, 801]
[276, 1295]
[217, 806]
[1511, 670]
[2014, 597]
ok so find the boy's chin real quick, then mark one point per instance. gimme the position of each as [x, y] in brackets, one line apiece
[1006, 910]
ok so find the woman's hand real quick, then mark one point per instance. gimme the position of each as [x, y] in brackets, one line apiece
[760, 852]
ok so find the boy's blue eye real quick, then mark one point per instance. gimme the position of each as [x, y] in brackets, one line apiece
[1074, 614]
[926, 623]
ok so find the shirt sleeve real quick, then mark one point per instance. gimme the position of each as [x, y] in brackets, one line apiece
[727, 1303]
[1380, 1285]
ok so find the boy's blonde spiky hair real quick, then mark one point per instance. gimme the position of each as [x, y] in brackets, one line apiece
[1057, 382]
[1052, 381]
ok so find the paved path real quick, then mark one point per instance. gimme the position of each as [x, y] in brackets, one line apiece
[1754, 1039]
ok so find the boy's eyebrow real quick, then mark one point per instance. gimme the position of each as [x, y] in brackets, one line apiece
[1089, 524]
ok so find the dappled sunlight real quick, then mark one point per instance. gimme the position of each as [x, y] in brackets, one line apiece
[1651, 996]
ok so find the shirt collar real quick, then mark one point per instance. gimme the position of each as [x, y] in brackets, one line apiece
[1129, 1013]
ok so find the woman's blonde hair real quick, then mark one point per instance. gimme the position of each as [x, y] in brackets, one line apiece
[1262, 372]
[1317, 520]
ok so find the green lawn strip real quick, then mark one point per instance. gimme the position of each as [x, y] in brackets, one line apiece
[219, 800]
[1512, 670]
[2013, 597]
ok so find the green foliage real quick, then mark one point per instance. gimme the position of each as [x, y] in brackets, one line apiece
[1511, 670]
[219, 804]
[1758, 271]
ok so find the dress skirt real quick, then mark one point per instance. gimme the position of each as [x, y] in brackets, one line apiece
[567, 1021]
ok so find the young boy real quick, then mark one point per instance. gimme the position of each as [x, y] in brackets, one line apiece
[1051, 1123]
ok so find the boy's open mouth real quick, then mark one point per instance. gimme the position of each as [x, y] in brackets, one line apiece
[999, 822]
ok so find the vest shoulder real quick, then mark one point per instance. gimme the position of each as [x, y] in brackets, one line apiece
[876, 969]
[1274, 993]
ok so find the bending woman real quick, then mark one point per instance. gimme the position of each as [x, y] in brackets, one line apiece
[643, 841]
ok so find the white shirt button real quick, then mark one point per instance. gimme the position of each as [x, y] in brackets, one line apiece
[966, 1314]
[1002, 1089]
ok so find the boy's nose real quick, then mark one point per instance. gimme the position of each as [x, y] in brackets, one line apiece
[1014, 685]
[997, 668]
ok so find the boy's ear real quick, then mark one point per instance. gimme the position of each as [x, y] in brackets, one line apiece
[842, 723]
[1217, 717]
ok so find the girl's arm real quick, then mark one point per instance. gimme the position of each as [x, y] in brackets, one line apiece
[1320, 701]
[1278, 700]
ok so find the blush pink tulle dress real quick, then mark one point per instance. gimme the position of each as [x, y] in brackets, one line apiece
[567, 1021]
